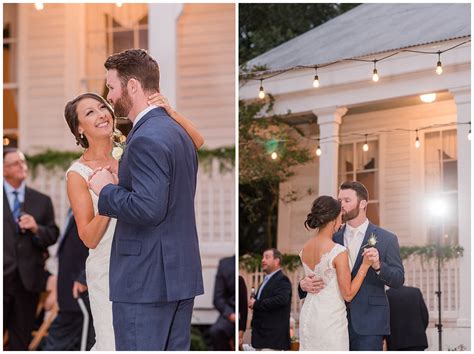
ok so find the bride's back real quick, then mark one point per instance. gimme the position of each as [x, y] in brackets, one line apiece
[314, 249]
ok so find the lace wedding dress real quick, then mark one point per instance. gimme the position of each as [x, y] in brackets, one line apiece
[97, 274]
[323, 317]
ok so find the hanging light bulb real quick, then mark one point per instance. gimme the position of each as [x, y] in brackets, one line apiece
[274, 155]
[119, 4]
[469, 134]
[318, 151]
[375, 73]
[316, 78]
[366, 146]
[6, 141]
[39, 6]
[261, 93]
[417, 140]
[439, 66]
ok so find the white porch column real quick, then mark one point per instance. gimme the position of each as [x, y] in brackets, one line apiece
[329, 120]
[163, 44]
[462, 97]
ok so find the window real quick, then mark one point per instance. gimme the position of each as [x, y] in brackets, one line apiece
[10, 78]
[441, 183]
[355, 164]
[111, 30]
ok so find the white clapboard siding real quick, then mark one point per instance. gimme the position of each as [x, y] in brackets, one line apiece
[49, 49]
[206, 70]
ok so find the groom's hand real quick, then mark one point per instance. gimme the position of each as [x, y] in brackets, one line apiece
[99, 179]
[312, 284]
[373, 255]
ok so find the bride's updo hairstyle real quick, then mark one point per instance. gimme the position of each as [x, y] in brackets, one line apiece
[323, 210]
[70, 113]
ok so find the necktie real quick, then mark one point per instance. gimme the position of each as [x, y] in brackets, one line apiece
[16, 212]
[265, 280]
[352, 248]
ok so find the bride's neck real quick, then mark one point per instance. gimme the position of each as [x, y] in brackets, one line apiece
[325, 232]
[99, 149]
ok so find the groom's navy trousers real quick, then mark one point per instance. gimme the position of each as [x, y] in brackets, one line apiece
[155, 264]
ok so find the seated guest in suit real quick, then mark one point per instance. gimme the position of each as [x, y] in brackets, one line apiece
[65, 332]
[408, 319]
[222, 332]
[28, 229]
[272, 305]
[243, 310]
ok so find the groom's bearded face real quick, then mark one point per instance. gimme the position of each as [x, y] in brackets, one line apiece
[348, 215]
[350, 204]
[123, 104]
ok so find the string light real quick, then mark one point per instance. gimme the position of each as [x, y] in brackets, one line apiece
[439, 66]
[428, 97]
[6, 141]
[119, 4]
[366, 146]
[316, 79]
[417, 140]
[261, 93]
[318, 150]
[274, 155]
[375, 74]
[39, 6]
[469, 134]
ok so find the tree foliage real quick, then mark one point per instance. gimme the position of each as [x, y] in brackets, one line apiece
[264, 26]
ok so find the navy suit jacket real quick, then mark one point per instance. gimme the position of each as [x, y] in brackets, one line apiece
[155, 252]
[369, 309]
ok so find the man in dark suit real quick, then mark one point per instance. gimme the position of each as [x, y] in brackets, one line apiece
[155, 264]
[28, 229]
[66, 330]
[222, 332]
[408, 319]
[272, 305]
[368, 312]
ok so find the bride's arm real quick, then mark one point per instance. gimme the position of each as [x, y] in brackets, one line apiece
[90, 227]
[349, 289]
[159, 100]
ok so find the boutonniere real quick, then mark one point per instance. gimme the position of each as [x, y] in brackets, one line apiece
[119, 144]
[371, 242]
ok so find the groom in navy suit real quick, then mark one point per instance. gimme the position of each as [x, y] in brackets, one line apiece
[368, 313]
[155, 265]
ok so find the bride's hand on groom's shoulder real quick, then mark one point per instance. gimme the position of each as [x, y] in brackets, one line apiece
[159, 100]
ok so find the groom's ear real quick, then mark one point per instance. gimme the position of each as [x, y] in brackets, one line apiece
[132, 86]
[363, 204]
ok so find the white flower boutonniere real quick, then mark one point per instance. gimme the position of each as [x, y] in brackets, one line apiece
[371, 242]
[119, 144]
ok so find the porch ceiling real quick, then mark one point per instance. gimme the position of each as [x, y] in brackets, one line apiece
[370, 29]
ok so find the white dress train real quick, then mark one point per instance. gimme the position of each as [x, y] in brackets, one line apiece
[323, 317]
[97, 273]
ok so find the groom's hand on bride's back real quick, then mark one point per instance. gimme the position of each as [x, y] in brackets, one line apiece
[312, 284]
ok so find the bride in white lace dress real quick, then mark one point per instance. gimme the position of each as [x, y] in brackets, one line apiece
[92, 122]
[323, 316]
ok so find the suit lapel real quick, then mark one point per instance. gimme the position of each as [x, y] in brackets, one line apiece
[155, 111]
[267, 285]
[370, 229]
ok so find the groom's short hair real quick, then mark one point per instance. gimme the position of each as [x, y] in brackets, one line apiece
[361, 192]
[136, 64]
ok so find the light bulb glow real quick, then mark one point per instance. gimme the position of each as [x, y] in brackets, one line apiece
[39, 6]
[439, 68]
[119, 4]
[437, 208]
[318, 151]
[417, 143]
[274, 155]
[428, 97]
[375, 75]
[316, 81]
[469, 135]
[365, 147]
[261, 93]
[6, 141]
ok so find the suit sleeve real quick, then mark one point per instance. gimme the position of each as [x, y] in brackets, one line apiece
[221, 302]
[423, 310]
[147, 203]
[282, 297]
[302, 294]
[392, 272]
[243, 305]
[48, 232]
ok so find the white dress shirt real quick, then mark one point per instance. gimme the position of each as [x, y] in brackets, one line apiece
[11, 197]
[353, 238]
[142, 113]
